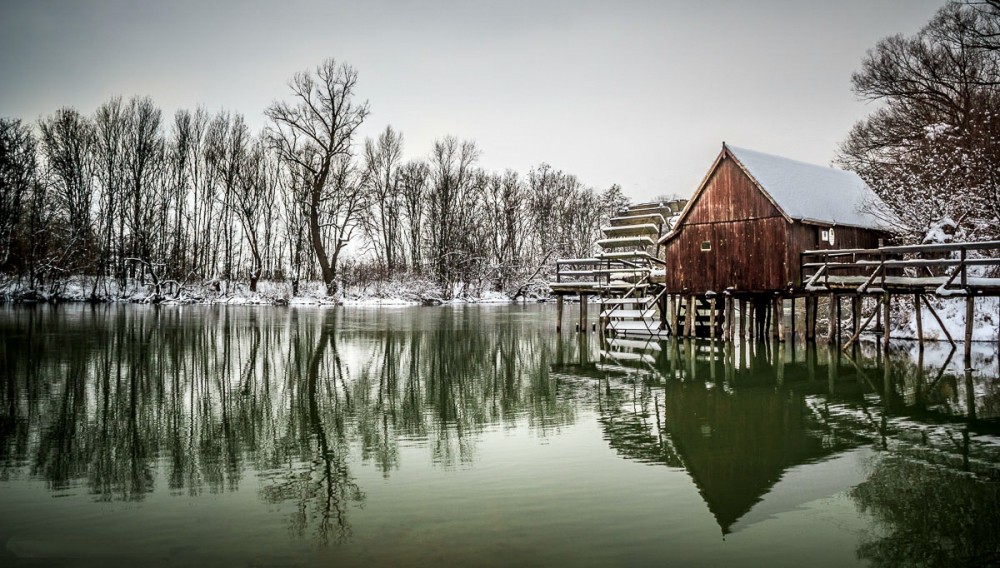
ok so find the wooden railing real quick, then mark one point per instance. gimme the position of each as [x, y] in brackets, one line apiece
[934, 267]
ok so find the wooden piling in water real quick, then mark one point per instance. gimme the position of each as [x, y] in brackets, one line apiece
[776, 317]
[559, 313]
[831, 328]
[970, 313]
[920, 321]
[855, 315]
[711, 318]
[583, 313]
[675, 308]
[690, 313]
[886, 308]
[781, 318]
[743, 319]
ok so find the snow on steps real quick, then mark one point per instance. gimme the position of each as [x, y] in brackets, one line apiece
[619, 242]
[631, 230]
[625, 356]
[644, 300]
[631, 326]
[649, 313]
[639, 219]
[646, 345]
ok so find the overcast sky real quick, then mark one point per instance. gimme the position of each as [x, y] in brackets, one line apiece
[636, 93]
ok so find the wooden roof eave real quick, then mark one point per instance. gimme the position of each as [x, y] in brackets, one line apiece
[818, 223]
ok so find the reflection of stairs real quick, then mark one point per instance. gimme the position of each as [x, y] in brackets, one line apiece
[630, 356]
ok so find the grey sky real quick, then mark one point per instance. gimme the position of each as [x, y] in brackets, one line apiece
[636, 93]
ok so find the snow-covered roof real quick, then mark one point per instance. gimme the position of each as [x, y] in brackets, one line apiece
[819, 194]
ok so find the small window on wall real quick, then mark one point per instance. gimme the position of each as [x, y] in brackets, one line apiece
[827, 236]
[706, 246]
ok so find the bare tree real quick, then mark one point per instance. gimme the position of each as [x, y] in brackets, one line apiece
[68, 143]
[315, 132]
[17, 176]
[451, 206]
[413, 188]
[932, 150]
[382, 219]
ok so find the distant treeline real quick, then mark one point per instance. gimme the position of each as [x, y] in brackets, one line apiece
[126, 195]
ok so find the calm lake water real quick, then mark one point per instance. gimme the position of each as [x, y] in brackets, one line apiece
[477, 436]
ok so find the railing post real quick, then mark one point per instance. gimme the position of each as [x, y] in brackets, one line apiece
[965, 278]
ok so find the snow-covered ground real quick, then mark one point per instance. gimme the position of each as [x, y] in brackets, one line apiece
[401, 292]
[952, 313]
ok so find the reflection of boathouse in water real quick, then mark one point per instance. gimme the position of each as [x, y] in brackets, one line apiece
[760, 433]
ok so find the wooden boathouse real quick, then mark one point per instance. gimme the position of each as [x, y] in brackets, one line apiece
[749, 221]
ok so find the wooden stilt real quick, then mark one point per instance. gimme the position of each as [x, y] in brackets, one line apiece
[781, 318]
[776, 317]
[839, 319]
[662, 306]
[886, 308]
[855, 315]
[689, 316]
[792, 322]
[970, 314]
[811, 302]
[920, 322]
[751, 316]
[711, 319]
[730, 323]
[675, 308]
[743, 319]
[559, 313]
[583, 313]
[831, 325]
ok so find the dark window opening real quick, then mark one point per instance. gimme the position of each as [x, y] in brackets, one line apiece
[706, 245]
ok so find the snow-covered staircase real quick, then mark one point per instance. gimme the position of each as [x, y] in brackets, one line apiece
[623, 273]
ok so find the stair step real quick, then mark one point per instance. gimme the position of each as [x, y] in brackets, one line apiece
[631, 230]
[618, 285]
[634, 325]
[627, 255]
[624, 314]
[573, 285]
[623, 270]
[625, 242]
[627, 301]
[579, 261]
[639, 219]
[625, 356]
[647, 345]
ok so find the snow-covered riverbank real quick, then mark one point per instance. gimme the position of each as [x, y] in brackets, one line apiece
[391, 293]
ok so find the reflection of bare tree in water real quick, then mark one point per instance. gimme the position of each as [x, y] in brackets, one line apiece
[320, 484]
[928, 516]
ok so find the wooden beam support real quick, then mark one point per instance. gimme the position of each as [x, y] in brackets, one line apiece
[940, 323]
[862, 327]
[920, 322]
